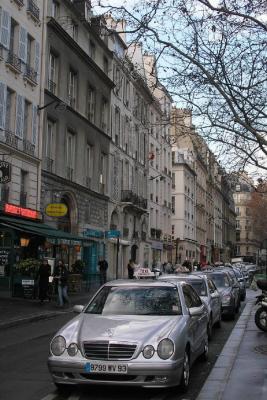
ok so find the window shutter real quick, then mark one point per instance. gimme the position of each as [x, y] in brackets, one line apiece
[34, 125]
[23, 44]
[37, 58]
[5, 29]
[20, 116]
[2, 105]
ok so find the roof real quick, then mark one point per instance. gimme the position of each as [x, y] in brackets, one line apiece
[139, 282]
[181, 277]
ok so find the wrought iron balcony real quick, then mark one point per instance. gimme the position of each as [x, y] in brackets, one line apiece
[19, 2]
[11, 139]
[48, 164]
[52, 86]
[33, 10]
[13, 61]
[28, 147]
[30, 73]
[127, 196]
[23, 199]
[4, 194]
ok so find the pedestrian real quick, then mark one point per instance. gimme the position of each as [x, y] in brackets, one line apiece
[130, 268]
[103, 266]
[43, 275]
[61, 275]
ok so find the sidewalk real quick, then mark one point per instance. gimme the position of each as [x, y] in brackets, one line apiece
[241, 369]
[14, 310]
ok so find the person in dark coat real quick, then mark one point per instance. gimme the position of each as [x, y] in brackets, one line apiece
[130, 268]
[43, 274]
[61, 275]
[103, 266]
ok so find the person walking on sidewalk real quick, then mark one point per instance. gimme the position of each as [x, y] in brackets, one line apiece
[103, 266]
[61, 275]
[43, 275]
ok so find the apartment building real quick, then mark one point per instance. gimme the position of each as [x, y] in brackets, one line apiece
[20, 97]
[77, 71]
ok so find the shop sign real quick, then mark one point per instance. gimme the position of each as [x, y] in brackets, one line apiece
[21, 211]
[56, 210]
[93, 233]
[5, 172]
[112, 234]
[157, 245]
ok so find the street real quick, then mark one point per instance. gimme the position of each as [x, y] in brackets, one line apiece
[24, 373]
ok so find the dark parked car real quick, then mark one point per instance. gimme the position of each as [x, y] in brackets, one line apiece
[229, 290]
[242, 281]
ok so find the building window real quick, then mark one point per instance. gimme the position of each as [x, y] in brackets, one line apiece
[92, 50]
[173, 204]
[103, 172]
[70, 155]
[117, 125]
[104, 114]
[126, 94]
[27, 125]
[91, 102]
[53, 73]
[10, 96]
[105, 65]
[23, 188]
[55, 9]
[88, 164]
[72, 88]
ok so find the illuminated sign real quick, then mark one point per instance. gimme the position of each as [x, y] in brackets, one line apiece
[56, 209]
[21, 212]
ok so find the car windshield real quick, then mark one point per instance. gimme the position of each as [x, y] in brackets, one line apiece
[118, 300]
[220, 280]
[199, 287]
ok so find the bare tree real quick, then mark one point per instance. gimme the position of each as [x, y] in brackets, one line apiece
[211, 56]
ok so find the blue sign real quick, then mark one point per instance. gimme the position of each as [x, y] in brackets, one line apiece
[93, 233]
[112, 234]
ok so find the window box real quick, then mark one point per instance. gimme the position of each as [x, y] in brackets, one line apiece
[33, 11]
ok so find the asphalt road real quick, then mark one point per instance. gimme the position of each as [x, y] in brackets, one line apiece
[24, 374]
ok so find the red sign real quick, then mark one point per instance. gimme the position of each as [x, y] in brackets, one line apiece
[20, 211]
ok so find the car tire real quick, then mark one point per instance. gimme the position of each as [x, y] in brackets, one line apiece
[184, 382]
[205, 355]
[237, 307]
[219, 322]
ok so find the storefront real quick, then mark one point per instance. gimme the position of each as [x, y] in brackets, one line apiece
[94, 248]
[157, 248]
[24, 240]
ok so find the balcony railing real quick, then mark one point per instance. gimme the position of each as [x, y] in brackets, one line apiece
[4, 194]
[11, 139]
[13, 61]
[52, 86]
[33, 10]
[23, 199]
[69, 173]
[130, 197]
[19, 2]
[28, 147]
[30, 73]
[48, 164]
[143, 236]
[125, 232]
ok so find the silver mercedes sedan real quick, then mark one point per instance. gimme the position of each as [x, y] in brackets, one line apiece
[132, 333]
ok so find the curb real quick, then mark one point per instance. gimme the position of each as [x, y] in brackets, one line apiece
[216, 382]
[32, 318]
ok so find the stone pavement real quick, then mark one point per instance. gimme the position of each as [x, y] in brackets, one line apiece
[241, 369]
[14, 310]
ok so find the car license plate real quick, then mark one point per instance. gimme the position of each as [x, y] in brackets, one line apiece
[106, 368]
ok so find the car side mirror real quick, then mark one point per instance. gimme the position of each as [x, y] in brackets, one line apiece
[78, 309]
[196, 311]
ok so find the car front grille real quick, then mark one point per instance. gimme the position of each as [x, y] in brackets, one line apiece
[108, 350]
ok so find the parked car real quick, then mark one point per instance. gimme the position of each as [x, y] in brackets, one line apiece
[207, 291]
[242, 282]
[235, 282]
[144, 333]
[228, 289]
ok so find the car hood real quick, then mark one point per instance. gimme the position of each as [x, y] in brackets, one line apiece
[90, 327]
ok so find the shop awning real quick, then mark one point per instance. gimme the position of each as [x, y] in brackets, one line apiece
[38, 228]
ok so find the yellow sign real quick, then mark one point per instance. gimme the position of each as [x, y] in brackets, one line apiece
[56, 209]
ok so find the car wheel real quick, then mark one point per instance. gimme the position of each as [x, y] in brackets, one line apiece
[186, 373]
[209, 329]
[237, 307]
[219, 322]
[205, 355]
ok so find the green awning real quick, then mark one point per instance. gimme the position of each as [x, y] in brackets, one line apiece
[38, 228]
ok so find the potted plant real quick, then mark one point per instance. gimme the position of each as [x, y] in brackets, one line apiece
[28, 267]
[25, 274]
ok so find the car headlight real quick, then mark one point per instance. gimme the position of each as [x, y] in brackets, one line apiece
[226, 299]
[72, 349]
[165, 349]
[148, 351]
[58, 345]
